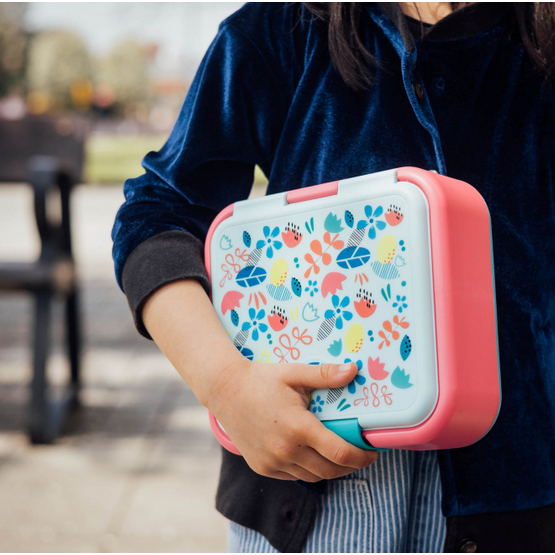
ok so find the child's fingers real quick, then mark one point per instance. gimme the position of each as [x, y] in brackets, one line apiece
[319, 376]
[335, 449]
[304, 474]
[285, 476]
[321, 467]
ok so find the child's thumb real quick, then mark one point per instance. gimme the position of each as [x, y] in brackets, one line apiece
[319, 376]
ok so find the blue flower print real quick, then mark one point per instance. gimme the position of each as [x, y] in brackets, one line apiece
[316, 405]
[312, 287]
[338, 311]
[255, 323]
[373, 220]
[400, 303]
[269, 241]
[358, 379]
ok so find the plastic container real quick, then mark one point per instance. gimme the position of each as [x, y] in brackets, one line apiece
[392, 270]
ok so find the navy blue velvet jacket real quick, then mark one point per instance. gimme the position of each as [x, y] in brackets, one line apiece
[267, 94]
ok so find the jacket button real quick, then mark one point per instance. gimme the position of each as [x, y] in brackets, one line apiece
[468, 546]
[418, 91]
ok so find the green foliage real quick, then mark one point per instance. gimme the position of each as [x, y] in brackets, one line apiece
[125, 72]
[57, 60]
[13, 43]
[114, 158]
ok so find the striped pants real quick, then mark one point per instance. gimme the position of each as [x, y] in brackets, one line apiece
[393, 506]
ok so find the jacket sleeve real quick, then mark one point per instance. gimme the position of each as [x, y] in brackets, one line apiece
[230, 121]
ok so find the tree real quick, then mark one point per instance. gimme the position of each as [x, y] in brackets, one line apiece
[13, 42]
[125, 72]
[60, 70]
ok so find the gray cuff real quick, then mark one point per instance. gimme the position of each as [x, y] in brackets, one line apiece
[161, 259]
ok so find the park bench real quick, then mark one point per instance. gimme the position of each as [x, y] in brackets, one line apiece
[48, 154]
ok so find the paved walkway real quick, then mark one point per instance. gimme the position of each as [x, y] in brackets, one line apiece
[137, 469]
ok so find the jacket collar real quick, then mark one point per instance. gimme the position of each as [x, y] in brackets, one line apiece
[466, 21]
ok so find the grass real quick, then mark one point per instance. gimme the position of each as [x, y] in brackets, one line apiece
[114, 158]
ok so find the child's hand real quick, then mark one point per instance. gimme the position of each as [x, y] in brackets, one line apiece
[263, 409]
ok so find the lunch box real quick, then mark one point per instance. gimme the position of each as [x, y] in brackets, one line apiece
[392, 271]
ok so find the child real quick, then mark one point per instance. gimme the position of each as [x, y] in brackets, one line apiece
[322, 92]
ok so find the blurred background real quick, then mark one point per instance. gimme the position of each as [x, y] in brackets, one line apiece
[133, 466]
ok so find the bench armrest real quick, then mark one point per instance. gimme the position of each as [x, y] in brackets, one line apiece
[47, 174]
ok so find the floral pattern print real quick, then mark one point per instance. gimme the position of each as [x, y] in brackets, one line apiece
[312, 287]
[256, 323]
[269, 241]
[338, 311]
[373, 221]
[264, 357]
[400, 303]
[317, 404]
[358, 379]
[330, 269]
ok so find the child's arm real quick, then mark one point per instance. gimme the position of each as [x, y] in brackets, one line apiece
[262, 407]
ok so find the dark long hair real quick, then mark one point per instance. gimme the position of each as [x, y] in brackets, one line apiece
[535, 21]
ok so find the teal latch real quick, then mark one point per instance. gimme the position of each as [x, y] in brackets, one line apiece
[350, 430]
